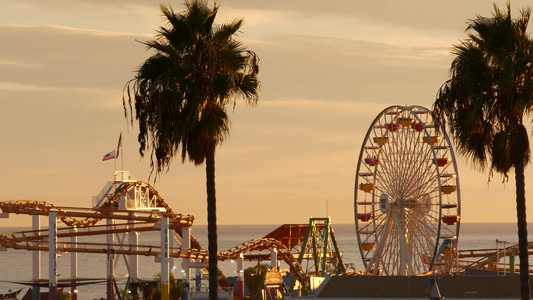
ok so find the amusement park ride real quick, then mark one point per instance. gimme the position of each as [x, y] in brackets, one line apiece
[407, 217]
[407, 198]
[127, 207]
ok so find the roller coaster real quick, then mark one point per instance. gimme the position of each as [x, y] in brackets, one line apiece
[489, 259]
[130, 206]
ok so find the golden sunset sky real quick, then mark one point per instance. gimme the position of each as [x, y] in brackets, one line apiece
[328, 68]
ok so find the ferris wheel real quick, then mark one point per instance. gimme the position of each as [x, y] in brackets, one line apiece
[407, 195]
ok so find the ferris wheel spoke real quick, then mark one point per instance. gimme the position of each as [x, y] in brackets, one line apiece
[430, 216]
[393, 247]
[420, 240]
[416, 239]
[425, 163]
[405, 258]
[426, 186]
[407, 163]
[380, 224]
[428, 234]
[409, 175]
[390, 246]
[382, 185]
[424, 234]
[401, 163]
[395, 260]
[424, 171]
[385, 175]
[375, 259]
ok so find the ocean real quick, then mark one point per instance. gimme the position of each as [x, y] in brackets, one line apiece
[15, 265]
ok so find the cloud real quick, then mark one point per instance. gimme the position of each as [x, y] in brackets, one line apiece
[335, 69]
[352, 18]
[327, 69]
[120, 16]
[62, 57]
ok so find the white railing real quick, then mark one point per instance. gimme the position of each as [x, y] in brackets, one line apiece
[111, 186]
[106, 190]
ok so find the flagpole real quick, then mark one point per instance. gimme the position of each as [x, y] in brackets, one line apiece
[122, 158]
[118, 151]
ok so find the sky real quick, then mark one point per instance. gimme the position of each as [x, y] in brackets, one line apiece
[327, 69]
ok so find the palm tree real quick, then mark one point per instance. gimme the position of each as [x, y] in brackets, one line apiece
[180, 95]
[485, 101]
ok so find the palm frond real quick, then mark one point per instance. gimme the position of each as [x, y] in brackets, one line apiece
[490, 88]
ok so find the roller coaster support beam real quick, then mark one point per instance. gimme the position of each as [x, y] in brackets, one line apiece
[133, 259]
[171, 265]
[36, 259]
[198, 281]
[73, 264]
[110, 261]
[186, 248]
[240, 278]
[110, 272]
[187, 264]
[52, 255]
[164, 260]
[274, 258]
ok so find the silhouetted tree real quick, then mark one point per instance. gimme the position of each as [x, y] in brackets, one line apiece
[485, 100]
[180, 96]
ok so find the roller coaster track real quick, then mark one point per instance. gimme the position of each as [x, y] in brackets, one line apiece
[86, 217]
[83, 222]
[481, 258]
[268, 243]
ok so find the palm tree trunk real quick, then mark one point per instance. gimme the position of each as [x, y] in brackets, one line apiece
[522, 230]
[212, 223]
